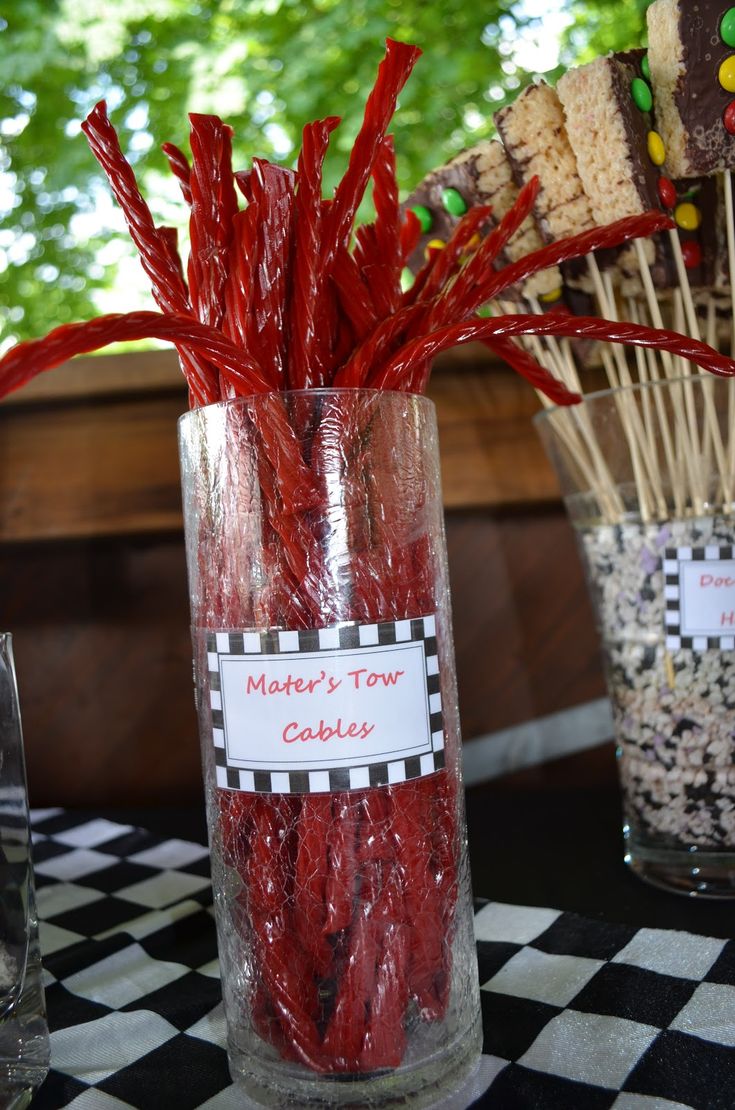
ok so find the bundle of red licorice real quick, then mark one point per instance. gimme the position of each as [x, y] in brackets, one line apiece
[285, 294]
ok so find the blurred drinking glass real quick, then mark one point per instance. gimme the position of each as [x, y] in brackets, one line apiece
[24, 1040]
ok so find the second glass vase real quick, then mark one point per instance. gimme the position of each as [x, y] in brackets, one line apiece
[648, 474]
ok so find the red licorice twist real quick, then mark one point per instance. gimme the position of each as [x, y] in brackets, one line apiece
[180, 168]
[465, 294]
[306, 285]
[213, 207]
[393, 73]
[557, 324]
[265, 327]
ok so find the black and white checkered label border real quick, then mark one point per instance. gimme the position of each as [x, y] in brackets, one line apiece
[344, 637]
[673, 558]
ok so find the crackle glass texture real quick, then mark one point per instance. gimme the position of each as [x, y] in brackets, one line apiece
[344, 918]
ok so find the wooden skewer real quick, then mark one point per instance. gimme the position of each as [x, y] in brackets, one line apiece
[654, 308]
[677, 463]
[684, 473]
[573, 426]
[562, 353]
[645, 468]
[685, 392]
[730, 227]
[712, 433]
[676, 446]
[674, 463]
[684, 286]
[645, 427]
[649, 417]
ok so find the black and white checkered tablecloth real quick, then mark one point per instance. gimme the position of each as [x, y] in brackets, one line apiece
[577, 1013]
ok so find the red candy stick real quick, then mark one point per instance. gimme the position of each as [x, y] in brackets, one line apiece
[461, 296]
[444, 263]
[387, 263]
[280, 959]
[155, 253]
[411, 828]
[353, 295]
[163, 269]
[310, 879]
[345, 1033]
[170, 236]
[342, 873]
[519, 360]
[577, 246]
[377, 348]
[238, 287]
[273, 193]
[384, 1043]
[306, 270]
[393, 73]
[26, 360]
[365, 251]
[213, 206]
[243, 179]
[180, 168]
[410, 234]
[368, 362]
[579, 327]
[526, 365]
[415, 318]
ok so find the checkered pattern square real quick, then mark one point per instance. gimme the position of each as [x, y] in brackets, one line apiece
[715, 557]
[591, 1014]
[576, 1013]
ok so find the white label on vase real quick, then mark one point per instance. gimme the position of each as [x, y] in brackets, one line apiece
[700, 597]
[332, 709]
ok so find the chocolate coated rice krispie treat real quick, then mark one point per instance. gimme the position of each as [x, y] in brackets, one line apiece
[480, 175]
[535, 139]
[692, 61]
[609, 110]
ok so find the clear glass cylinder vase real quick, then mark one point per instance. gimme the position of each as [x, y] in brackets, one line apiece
[648, 477]
[330, 737]
[24, 1038]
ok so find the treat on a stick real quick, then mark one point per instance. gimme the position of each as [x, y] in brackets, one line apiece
[607, 110]
[692, 63]
[696, 204]
[535, 138]
[479, 176]
[610, 116]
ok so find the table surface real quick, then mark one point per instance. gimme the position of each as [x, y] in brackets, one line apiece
[545, 836]
[582, 997]
[552, 836]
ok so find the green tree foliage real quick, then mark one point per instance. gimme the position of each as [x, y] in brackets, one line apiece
[597, 28]
[266, 66]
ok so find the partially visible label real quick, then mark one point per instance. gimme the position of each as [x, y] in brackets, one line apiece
[700, 597]
[333, 709]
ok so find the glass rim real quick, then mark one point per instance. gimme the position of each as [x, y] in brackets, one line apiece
[635, 387]
[313, 391]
